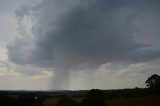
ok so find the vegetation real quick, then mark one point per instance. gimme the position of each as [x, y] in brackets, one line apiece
[153, 82]
[66, 101]
[94, 97]
[5, 100]
[29, 100]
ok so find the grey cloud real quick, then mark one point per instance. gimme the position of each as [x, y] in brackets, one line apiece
[95, 32]
[29, 70]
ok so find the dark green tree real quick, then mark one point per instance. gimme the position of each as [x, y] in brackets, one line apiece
[153, 82]
[66, 101]
[94, 97]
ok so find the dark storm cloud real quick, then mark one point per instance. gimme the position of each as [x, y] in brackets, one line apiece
[69, 34]
[91, 32]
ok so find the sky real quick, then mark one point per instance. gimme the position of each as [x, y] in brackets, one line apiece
[78, 44]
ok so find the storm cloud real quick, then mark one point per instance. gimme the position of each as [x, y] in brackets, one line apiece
[69, 34]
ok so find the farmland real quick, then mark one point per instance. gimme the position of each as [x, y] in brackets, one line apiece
[135, 101]
[121, 97]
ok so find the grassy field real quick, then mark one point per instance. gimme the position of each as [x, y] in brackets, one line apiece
[138, 101]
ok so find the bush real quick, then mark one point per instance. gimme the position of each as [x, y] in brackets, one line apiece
[28, 100]
[94, 97]
[66, 101]
[6, 100]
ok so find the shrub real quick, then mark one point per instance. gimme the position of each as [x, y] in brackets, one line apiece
[94, 97]
[66, 101]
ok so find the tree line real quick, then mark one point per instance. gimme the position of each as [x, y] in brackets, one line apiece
[94, 97]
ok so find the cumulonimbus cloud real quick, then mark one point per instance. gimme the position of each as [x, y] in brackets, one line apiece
[69, 34]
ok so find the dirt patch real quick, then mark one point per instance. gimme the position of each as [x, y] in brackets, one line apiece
[137, 101]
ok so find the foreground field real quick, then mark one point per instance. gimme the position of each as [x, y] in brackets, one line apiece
[138, 101]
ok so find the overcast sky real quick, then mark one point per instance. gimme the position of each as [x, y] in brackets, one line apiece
[78, 44]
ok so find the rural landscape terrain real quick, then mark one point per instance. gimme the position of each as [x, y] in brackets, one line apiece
[95, 97]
